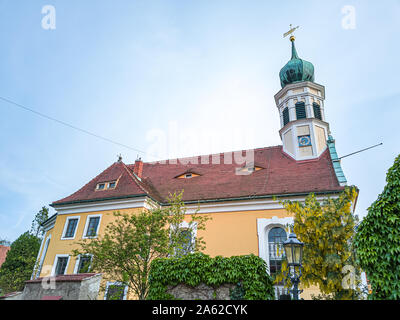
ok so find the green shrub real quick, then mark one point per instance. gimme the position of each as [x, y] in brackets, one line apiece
[197, 268]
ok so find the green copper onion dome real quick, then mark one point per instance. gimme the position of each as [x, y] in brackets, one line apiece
[296, 69]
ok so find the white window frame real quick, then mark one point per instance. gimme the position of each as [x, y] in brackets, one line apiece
[109, 283]
[78, 260]
[66, 227]
[43, 253]
[53, 271]
[263, 227]
[185, 225]
[98, 185]
[108, 185]
[87, 225]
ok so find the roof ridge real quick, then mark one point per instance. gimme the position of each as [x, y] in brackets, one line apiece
[87, 183]
[136, 179]
[210, 154]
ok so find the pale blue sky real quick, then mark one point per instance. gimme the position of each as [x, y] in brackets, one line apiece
[130, 69]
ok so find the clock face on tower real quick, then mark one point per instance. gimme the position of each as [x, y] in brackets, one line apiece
[304, 141]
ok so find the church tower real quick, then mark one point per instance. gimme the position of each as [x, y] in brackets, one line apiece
[304, 131]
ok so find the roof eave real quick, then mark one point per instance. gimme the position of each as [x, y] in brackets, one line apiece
[58, 204]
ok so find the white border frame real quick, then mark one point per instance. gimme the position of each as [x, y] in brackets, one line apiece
[109, 283]
[263, 227]
[87, 225]
[66, 226]
[53, 270]
[78, 259]
[137, 202]
[185, 225]
[42, 255]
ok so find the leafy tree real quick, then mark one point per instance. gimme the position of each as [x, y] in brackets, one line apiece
[129, 244]
[327, 230]
[19, 263]
[378, 239]
[37, 229]
[181, 237]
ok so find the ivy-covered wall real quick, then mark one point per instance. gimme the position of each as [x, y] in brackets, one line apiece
[248, 274]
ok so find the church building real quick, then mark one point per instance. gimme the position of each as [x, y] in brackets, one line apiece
[240, 198]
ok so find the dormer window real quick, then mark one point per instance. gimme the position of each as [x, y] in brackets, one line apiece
[247, 170]
[101, 186]
[187, 175]
[112, 185]
[106, 185]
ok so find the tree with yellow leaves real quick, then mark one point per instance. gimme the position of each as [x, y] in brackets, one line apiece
[327, 229]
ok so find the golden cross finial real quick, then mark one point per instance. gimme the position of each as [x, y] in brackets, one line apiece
[290, 32]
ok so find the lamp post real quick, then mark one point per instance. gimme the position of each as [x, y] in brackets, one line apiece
[294, 255]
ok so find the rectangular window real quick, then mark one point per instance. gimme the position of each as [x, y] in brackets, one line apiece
[71, 227]
[111, 185]
[101, 186]
[84, 264]
[92, 227]
[317, 111]
[115, 292]
[285, 114]
[300, 110]
[61, 265]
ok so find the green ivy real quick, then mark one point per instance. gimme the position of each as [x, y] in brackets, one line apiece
[378, 239]
[194, 269]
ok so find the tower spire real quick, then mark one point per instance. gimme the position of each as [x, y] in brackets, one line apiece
[294, 52]
[300, 103]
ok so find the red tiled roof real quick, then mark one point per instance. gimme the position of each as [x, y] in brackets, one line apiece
[126, 185]
[3, 253]
[280, 175]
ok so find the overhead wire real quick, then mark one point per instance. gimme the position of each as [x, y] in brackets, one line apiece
[69, 125]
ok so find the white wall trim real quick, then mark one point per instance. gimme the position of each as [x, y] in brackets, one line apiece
[66, 226]
[78, 259]
[244, 205]
[263, 227]
[105, 205]
[87, 225]
[232, 205]
[39, 255]
[53, 270]
[43, 256]
[193, 228]
[116, 283]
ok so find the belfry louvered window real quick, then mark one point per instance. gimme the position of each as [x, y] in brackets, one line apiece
[300, 110]
[285, 115]
[317, 111]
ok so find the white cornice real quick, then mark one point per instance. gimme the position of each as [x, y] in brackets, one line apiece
[243, 205]
[211, 207]
[296, 85]
[140, 202]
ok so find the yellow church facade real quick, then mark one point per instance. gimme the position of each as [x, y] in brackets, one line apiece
[240, 191]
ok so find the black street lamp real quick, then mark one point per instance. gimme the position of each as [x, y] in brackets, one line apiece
[294, 255]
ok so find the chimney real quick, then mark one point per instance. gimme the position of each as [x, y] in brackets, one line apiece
[138, 167]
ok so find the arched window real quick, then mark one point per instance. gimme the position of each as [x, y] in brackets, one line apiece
[300, 110]
[317, 111]
[186, 244]
[285, 115]
[276, 237]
